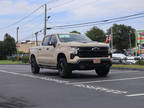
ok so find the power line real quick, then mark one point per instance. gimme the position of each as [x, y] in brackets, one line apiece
[25, 17]
[134, 16]
[32, 27]
[32, 35]
[93, 24]
[88, 24]
[34, 18]
[8, 26]
[64, 3]
[101, 22]
[125, 19]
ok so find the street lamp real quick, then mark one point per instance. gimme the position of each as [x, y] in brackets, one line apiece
[48, 17]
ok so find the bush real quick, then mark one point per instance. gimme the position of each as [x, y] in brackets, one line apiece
[140, 62]
[25, 59]
[20, 52]
[9, 58]
[13, 58]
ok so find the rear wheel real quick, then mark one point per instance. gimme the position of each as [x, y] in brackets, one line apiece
[103, 71]
[63, 68]
[34, 66]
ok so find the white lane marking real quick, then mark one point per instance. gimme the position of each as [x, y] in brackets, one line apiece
[124, 79]
[3, 71]
[36, 77]
[101, 89]
[131, 95]
[96, 88]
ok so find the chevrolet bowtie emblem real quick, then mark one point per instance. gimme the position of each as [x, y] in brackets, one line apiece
[95, 48]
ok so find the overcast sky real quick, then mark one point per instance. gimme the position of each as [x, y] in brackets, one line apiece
[65, 12]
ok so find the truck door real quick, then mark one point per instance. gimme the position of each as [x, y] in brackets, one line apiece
[43, 55]
[53, 51]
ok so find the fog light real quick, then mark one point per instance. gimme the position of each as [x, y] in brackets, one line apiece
[72, 56]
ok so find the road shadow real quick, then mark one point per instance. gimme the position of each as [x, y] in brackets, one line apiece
[75, 75]
[83, 76]
[49, 73]
[13, 102]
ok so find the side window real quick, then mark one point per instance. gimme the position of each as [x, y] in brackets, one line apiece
[54, 40]
[46, 41]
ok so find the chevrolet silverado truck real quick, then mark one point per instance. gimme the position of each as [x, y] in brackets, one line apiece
[68, 52]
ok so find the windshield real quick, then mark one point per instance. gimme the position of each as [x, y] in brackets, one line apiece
[73, 38]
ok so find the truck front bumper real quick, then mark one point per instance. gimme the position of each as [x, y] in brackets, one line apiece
[89, 64]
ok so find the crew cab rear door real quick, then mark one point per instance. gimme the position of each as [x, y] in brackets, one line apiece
[43, 55]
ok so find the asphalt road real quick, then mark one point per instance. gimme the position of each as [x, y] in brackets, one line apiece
[19, 88]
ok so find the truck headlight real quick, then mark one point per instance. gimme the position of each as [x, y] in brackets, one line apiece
[75, 49]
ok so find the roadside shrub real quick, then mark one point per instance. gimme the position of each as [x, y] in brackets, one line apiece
[13, 58]
[21, 52]
[9, 58]
[25, 59]
[16, 58]
[140, 62]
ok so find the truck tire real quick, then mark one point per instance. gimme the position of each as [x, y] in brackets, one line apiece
[102, 72]
[63, 68]
[34, 66]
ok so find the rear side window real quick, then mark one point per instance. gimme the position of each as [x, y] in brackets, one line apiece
[46, 41]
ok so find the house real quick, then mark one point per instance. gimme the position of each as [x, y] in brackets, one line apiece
[25, 45]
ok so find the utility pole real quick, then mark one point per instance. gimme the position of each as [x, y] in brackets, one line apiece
[17, 33]
[45, 20]
[36, 34]
[130, 39]
[111, 39]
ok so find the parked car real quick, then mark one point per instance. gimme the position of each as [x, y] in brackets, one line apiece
[130, 60]
[118, 58]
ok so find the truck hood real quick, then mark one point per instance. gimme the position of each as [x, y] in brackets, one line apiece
[81, 44]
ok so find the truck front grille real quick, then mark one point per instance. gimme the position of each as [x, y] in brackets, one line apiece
[89, 52]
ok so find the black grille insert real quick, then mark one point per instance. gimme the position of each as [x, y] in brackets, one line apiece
[86, 52]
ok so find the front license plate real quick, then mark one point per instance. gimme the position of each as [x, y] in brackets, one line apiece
[96, 61]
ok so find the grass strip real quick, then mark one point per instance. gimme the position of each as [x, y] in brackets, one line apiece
[114, 65]
[128, 66]
[10, 62]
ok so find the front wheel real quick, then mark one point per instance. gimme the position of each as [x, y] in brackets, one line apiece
[103, 71]
[34, 66]
[63, 68]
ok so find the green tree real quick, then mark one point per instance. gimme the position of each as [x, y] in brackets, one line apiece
[96, 34]
[2, 53]
[123, 36]
[75, 32]
[9, 45]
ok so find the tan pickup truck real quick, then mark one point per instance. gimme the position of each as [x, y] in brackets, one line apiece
[67, 52]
